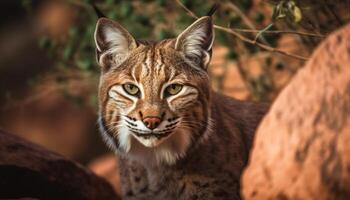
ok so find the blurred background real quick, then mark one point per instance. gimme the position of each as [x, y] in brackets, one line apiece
[49, 76]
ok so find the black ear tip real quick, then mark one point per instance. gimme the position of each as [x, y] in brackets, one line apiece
[98, 11]
[213, 9]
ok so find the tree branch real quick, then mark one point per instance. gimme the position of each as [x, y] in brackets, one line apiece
[281, 32]
[245, 19]
[245, 39]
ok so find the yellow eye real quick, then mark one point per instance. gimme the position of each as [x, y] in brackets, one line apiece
[173, 89]
[131, 89]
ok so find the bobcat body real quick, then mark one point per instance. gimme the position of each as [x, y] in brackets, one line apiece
[175, 138]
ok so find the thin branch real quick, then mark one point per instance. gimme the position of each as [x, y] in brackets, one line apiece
[245, 19]
[238, 11]
[262, 31]
[245, 39]
[187, 10]
[281, 32]
[266, 47]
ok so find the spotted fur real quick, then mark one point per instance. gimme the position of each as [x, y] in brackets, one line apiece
[201, 143]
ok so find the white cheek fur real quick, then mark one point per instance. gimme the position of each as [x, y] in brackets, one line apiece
[124, 137]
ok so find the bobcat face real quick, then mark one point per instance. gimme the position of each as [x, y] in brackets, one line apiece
[153, 95]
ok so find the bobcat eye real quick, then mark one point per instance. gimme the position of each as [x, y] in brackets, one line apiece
[173, 89]
[131, 89]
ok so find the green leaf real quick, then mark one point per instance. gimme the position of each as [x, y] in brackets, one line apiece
[287, 10]
[297, 14]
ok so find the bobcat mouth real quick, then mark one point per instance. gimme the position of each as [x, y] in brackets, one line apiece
[151, 134]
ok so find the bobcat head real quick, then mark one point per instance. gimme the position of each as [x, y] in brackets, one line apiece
[153, 96]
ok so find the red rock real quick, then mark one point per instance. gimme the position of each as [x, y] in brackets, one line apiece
[302, 147]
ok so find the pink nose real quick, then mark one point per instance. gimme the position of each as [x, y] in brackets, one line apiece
[151, 122]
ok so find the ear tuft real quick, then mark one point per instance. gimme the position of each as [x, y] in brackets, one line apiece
[113, 43]
[196, 41]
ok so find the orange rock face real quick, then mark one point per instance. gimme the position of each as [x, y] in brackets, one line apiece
[302, 147]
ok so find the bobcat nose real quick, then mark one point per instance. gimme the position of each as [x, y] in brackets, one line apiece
[151, 122]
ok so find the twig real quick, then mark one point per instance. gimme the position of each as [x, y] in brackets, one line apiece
[245, 19]
[238, 11]
[268, 48]
[262, 31]
[281, 32]
[245, 39]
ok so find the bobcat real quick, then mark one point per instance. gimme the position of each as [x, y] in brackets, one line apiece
[174, 136]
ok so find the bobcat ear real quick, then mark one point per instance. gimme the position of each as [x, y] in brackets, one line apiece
[113, 43]
[196, 42]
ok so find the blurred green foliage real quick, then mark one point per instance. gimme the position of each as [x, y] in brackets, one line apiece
[144, 19]
[161, 19]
